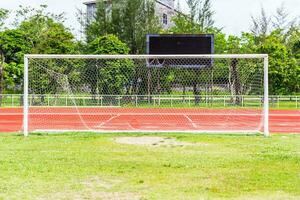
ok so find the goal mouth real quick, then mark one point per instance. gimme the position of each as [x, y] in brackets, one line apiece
[127, 93]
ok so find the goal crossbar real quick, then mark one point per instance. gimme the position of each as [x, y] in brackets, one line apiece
[141, 56]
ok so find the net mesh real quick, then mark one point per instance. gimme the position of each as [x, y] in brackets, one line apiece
[201, 94]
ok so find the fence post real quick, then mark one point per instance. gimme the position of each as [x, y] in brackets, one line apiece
[296, 102]
[159, 100]
[136, 100]
[25, 98]
[12, 100]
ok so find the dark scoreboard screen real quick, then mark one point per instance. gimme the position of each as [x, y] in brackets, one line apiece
[181, 44]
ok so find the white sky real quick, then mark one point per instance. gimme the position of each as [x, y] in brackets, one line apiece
[233, 15]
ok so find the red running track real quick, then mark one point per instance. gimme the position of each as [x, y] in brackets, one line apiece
[148, 119]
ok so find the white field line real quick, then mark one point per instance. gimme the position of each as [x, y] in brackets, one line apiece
[152, 131]
[107, 121]
[130, 126]
[158, 114]
[191, 121]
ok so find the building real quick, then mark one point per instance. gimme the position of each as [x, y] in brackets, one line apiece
[164, 9]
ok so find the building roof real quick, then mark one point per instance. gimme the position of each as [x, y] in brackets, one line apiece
[157, 1]
[89, 2]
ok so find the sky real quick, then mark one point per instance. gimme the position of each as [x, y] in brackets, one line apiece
[234, 16]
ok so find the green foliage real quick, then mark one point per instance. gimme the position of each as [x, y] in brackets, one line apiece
[108, 44]
[116, 74]
[3, 16]
[183, 25]
[55, 40]
[283, 67]
[199, 20]
[13, 77]
[36, 31]
[25, 13]
[13, 45]
[129, 20]
[47, 36]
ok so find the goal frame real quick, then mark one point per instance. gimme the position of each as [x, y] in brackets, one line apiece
[265, 58]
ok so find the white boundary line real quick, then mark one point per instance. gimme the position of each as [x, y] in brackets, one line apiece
[147, 114]
[191, 121]
[151, 131]
[154, 114]
[107, 121]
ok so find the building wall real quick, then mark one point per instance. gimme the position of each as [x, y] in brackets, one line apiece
[167, 11]
[164, 9]
[90, 11]
[169, 3]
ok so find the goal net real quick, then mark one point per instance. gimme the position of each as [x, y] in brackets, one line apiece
[146, 93]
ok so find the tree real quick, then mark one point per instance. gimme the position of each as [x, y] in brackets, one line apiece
[37, 32]
[205, 15]
[3, 16]
[49, 37]
[199, 18]
[280, 42]
[283, 68]
[261, 25]
[129, 20]
[280, 20]
[13, 45]
[109, 77]
[26, 13]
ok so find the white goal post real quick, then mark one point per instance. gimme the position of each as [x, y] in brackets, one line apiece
[146, 93]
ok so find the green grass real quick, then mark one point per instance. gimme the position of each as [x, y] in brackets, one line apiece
[89, 166]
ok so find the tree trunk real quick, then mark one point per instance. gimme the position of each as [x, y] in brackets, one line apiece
[158, 82]
[149, 88]
[196, 88]
[1, 75]
[184, 92]
[236, 81]
[196, 93]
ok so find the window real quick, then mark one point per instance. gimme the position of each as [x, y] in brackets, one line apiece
[91, 11]
[165, 19]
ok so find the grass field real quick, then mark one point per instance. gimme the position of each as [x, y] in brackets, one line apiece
[94, 166]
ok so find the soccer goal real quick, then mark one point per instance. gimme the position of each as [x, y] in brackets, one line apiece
[146, 93]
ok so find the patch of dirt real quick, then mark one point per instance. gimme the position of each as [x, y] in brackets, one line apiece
[276, 195]
[96, 182]
[93, 195]
[115, 196]
[94, 188]
[152, 141]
